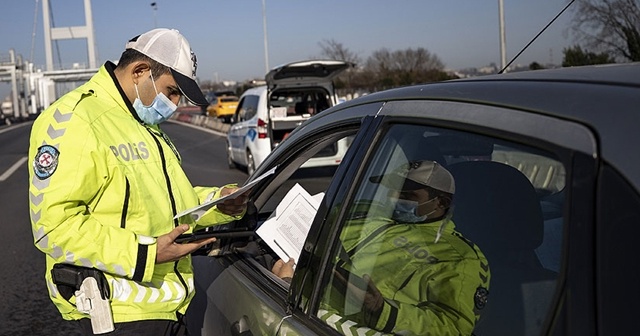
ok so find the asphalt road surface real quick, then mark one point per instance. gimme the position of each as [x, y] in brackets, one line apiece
[25, 308]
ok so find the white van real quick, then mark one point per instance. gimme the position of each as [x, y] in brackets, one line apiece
[267, 114]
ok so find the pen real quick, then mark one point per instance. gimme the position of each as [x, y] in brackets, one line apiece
[280, 247]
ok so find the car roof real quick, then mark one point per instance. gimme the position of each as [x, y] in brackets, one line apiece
[606, 99]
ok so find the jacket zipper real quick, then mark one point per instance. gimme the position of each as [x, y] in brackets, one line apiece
[125, 204]
[171, 198]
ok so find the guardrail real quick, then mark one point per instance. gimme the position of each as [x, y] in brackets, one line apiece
[194, 117]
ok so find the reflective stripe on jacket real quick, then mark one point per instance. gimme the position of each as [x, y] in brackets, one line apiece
[109, 181]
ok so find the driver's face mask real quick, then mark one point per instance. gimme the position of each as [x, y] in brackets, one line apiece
[161, 107]
[405, 211]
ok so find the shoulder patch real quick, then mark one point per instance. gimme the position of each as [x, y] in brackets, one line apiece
[481, 297]
[46, 161]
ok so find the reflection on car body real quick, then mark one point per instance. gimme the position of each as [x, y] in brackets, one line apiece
[546, 185]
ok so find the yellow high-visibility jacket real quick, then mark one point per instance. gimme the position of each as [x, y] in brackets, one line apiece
[101, 185]
[430, 286]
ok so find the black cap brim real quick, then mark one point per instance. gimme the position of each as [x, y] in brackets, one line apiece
[189, 89]
[407, 184]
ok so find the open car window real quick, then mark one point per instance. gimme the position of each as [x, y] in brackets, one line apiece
[311, 166]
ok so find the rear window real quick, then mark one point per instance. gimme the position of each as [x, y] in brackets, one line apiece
[297, 101]
[228, 99]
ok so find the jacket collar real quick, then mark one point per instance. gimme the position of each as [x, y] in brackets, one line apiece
[107, 79]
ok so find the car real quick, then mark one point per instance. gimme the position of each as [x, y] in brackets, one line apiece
[267, 114]
[547, 186]
[223, 107]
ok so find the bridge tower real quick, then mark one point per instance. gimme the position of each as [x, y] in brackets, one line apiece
[65, 33]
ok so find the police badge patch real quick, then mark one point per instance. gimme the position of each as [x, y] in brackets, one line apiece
[481, 297]
[46, 161]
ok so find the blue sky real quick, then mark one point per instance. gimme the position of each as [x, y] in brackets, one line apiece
[227, 35]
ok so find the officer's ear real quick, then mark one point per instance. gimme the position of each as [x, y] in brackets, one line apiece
[139, 71]
[444, 201]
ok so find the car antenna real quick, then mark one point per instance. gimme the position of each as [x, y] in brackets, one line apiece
[535, 37]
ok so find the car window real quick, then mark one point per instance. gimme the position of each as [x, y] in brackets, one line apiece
[247, 108]
[300, 101]
[419, 255]
[228, 99]
[312, 165]
[313, 168]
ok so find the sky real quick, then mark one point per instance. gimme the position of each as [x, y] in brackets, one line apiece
[228, 37]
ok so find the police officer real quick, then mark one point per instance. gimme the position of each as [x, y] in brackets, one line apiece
[411, 274]
[106, 183]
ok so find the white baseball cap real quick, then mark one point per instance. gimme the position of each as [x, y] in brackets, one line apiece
[169, 48]
[417, 174]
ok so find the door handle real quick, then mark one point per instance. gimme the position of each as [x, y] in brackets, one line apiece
[241, 327]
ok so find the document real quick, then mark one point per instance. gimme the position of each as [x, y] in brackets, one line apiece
[286, 229]
[197, 211]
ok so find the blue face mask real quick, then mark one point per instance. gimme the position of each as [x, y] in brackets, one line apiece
[161, 107]
[405, 211]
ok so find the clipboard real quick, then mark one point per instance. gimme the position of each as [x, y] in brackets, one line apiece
[198, 235]
[198, 211]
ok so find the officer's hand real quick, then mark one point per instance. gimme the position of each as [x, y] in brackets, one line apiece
[168, 250]
[373, 299]
[364, 291]
[283, 269]
[236, 206]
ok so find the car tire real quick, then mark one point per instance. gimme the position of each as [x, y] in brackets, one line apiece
[230, 162]
[251, 165]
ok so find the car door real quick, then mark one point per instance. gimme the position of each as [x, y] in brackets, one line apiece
[236, 291]
[241, 131]
[520, 179]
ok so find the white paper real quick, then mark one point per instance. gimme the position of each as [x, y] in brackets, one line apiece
[286, 229]
[278, 112]
[197, 211]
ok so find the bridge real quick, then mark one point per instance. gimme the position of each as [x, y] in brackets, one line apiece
[33, 89]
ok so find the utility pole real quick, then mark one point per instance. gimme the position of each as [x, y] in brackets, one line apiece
[503, 52]
[264, 29]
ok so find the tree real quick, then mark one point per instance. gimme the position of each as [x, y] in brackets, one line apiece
[334, 50]
[405, 67]
[575, 56]
[611, 26]
[535, 66]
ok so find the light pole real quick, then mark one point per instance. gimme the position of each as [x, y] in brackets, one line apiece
[155, 9]
[503, 52]
[264, 29]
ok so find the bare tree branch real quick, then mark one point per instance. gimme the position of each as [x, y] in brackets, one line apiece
[610, 26]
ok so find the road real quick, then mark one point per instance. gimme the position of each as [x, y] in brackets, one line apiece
[25, 308]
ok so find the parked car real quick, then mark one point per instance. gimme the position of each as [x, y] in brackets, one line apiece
[223, 107]
[267, 114]
[547, 185]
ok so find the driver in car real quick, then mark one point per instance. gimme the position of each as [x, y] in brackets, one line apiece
[411, 274]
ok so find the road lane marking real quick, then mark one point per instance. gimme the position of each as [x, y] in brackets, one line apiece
[14, 126]
[12, 169]
[204, 129]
